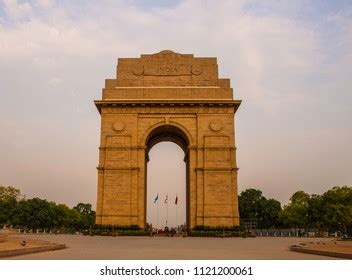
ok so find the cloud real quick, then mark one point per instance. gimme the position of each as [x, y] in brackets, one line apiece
[45, 4]
[17, 10]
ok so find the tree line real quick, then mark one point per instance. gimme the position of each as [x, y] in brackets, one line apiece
[38, 213]
[331, 211]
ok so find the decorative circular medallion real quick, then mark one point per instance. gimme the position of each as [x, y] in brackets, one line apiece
[215, 125]
[138, 70]
[119, 126]
[196, 70]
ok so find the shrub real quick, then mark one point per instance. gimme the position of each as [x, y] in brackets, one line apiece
[214, 233]
[114, 230]
[218, 228]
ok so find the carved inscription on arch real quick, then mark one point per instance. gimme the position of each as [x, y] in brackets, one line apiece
[167, 70]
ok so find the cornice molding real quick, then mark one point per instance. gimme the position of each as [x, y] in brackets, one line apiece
[167, 103]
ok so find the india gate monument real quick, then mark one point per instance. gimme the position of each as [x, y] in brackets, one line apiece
[174, 97]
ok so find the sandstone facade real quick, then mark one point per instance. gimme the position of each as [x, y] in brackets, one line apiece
[167, 97]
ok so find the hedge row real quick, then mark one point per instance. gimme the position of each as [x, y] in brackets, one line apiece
[213, 233]
[216, 229]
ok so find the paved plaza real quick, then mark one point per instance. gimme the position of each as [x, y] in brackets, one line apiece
[103, 247]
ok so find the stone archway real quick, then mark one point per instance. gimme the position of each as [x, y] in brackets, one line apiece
[174, 97]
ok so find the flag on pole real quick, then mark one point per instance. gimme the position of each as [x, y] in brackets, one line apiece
[156, 198]
[176, 199]
[166, 199]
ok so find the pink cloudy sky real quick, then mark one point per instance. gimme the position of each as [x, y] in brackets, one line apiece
[289, 61]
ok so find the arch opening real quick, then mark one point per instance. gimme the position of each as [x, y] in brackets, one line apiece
[169, 177]
[167, 133]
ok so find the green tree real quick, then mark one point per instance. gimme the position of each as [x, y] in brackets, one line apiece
[315, 212]
[87, 215]
[9, 192]
[72, 219]
[254, 206]
[39, 213]
[337, 209]
[62, 215]
[34, 213]
[295, 214]
[9, 196]
[271, 214]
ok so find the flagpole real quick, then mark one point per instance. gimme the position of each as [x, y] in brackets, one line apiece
[167, 209]
[157, 214]
[176, 210]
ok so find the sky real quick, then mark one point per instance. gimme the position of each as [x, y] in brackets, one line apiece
[290, 63]
[166, 180]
